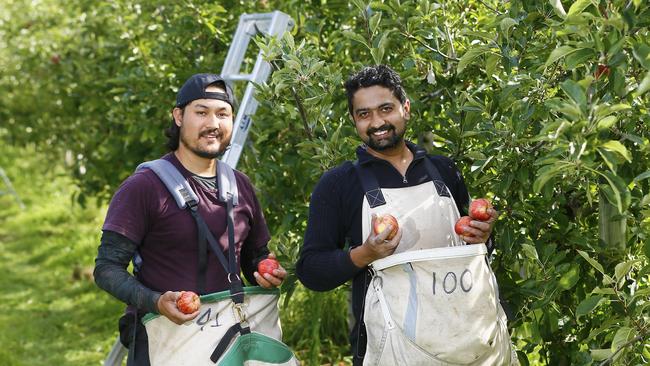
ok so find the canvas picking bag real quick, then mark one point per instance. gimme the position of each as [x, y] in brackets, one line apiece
[199, 342]
[436, 307]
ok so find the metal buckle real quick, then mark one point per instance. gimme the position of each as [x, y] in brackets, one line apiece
[237, 278]
[240, 314]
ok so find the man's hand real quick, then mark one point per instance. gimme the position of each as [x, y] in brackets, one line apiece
[269, 280]
[481, 230]
[376, 246]
[167, 307]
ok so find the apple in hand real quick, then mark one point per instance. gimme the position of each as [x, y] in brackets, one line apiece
[382, 222]
[267, 266]
[188, 302]
[461, 226]
[478, 209]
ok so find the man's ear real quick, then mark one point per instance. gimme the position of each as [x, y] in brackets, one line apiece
[178, 116]
[407, 109]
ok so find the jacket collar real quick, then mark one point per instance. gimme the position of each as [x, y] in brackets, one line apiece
[365, 157]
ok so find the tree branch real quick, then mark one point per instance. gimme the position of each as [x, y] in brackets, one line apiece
[489, 7]
[624, 345]
[410, 36]
[303, 114]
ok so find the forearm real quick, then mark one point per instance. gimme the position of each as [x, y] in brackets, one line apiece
[325, 270]
[113, 256]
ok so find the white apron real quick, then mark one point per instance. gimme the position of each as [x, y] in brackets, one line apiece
[435, 300]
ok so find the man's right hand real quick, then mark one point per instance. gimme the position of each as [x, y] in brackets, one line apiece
[376, 246]
[167, 307]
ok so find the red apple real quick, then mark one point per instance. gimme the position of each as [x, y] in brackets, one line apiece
[55, 59]
[267, 266]
[382, 222]
[602, 70]
[461, 226]
[478, 209]
[188, 302]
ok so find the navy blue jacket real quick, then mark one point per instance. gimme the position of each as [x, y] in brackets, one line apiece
[334, 224]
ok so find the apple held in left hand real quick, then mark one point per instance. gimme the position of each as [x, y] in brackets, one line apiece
[269, 272]
[477, 227]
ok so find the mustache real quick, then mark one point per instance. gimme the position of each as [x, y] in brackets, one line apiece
[215, 131]
[386, 127]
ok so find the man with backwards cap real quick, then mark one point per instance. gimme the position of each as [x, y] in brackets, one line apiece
[143, 218]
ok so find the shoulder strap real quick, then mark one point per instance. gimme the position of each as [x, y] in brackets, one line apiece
[370, 186]
[227, 183]
[173, 180]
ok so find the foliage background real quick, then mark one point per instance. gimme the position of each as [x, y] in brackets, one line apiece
[543, 105]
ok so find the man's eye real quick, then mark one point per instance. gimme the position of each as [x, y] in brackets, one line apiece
[201, 113]
[362, 115]
[387, 109]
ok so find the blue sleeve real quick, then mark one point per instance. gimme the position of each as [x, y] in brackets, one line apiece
[324, 264]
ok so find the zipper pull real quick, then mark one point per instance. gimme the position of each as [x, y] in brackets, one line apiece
[404, 180]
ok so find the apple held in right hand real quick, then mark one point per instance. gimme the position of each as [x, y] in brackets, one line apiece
[188, 302]
[382, 222]
[462, 225]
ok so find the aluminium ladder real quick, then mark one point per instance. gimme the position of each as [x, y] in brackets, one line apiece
[10, 188]
[270, 24]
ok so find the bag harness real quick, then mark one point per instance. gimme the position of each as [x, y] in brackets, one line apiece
[186, 199]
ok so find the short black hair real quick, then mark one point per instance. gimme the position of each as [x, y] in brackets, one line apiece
[381, 75]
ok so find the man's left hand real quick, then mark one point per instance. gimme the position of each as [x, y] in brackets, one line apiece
[481, 230]
[271, 280]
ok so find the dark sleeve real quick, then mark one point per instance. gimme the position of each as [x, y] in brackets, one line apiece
[113, 257]
[254, 248]
[323, 263]
[456, 183]
[250, 257]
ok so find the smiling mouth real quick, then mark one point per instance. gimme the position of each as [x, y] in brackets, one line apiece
[381, 132]
[211, 135]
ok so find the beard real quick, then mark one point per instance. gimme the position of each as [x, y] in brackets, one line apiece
[209, 152]
[384, 143]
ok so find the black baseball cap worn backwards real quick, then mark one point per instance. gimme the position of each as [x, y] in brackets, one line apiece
[194, 88]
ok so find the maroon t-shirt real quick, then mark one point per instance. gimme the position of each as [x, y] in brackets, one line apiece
[144, 211]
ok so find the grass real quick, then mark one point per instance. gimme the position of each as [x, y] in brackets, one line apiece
[52, 312]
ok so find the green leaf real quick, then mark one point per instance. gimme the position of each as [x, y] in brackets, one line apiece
[470, 55]
[609, 158]
[641, 53]
[587, 305]
[622, 195]
[606, 110]
[592, 261]
[356, 37]
[600, 354]
[644, 85]
[506, 24]
[622, 269]
[578, 58]
[578, 7]
[547, 172]
[606, 122]
[622, 336]
[558, 53]
[569, 279]
[617, 147]
[575, 92]
[529, 251]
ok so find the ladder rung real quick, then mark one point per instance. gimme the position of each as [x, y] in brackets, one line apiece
[238, 77]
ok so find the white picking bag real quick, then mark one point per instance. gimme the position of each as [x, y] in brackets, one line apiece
[194, 342]
[436, 307]
[435, 300]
